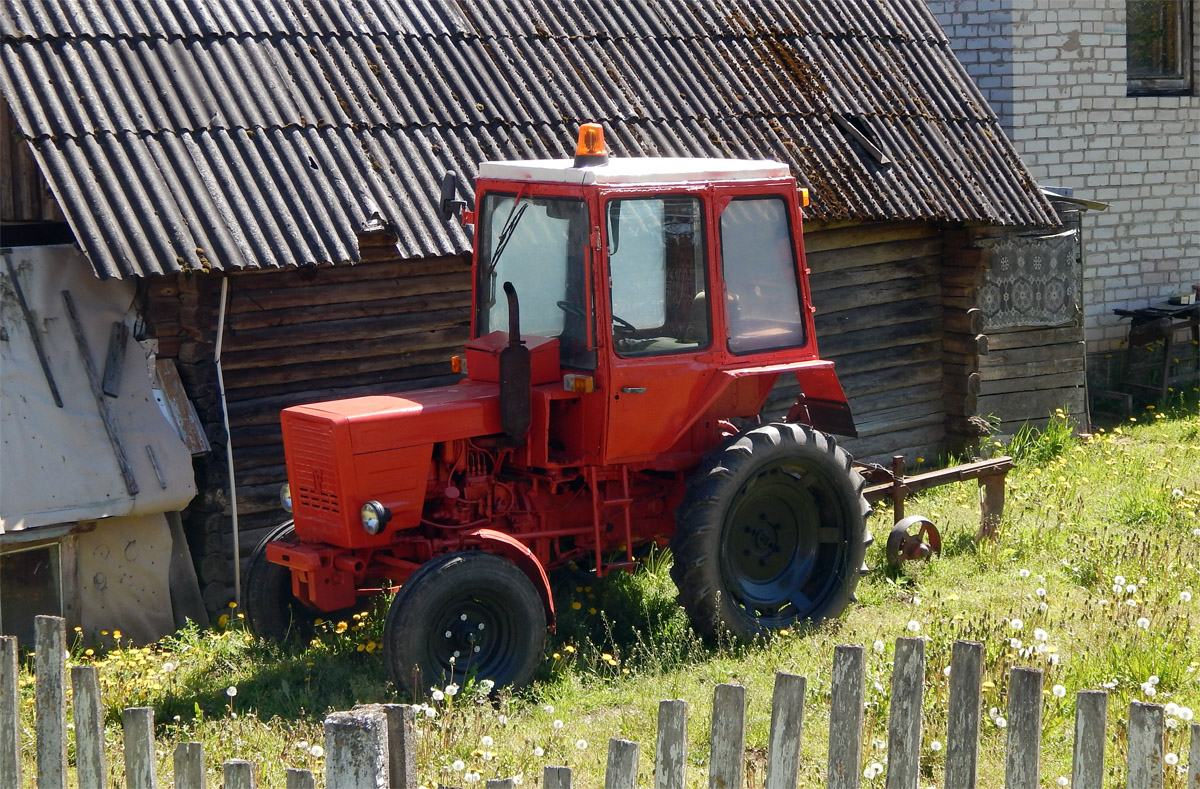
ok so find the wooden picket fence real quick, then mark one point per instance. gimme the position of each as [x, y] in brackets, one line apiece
[374, 745]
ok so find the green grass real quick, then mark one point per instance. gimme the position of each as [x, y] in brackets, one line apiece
[1096, 557]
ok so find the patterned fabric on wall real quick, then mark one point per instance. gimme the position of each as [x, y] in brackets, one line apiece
[1032, 281]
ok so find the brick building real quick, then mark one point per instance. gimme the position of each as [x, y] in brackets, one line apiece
[1101, 98]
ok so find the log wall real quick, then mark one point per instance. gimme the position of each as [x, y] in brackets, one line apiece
[295, 336]
[878, 293]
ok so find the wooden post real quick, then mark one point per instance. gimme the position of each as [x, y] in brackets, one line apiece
[189, 766]
[1193, 781]
[239, 774]
[402, 745]
[1145, 767]
[846, 717]
[89, 728]
[300, 779]
[962, 724]
[10, 714]
[904, 726]
[787, 723]
[356, 750]
[670, 750]
[991, 505]
[50, 641]
[556, 777]
[138, 726]
[501, 783]
[622, 767]
[1091, 716]
[1022, 764]
[728, 737]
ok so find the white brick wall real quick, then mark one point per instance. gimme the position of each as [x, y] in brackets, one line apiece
[1054, 71]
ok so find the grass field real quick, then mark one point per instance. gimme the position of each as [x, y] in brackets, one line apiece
[1094, 577]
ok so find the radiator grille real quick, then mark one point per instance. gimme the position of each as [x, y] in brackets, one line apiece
[315, 471]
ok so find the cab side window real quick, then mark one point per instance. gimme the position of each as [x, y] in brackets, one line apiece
[762, 291]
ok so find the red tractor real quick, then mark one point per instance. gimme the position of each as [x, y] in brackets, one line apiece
[660, 299]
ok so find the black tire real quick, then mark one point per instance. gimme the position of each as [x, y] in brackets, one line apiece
[473, 606]
[272, 612]
[772, 532]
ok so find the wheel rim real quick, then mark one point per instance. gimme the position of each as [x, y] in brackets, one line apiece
[473, 635]
[783, 544]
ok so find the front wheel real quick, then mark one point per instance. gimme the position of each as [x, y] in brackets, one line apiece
[771, 532]
[272, 612]
[469, 614]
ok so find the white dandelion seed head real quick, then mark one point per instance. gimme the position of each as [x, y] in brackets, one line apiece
[935, 746]
[558, 724]
[1016, 624]
[1040, 635]
[231, 691]
[913, 626]
[1062, 780]
[1186, 714]
[946, 671]
[1171, 709]
[1059, 691]
[1119, 579]
[471, 777]
[430, 713]
[1171, 759]
[1152, 679]
[878, 646]
[458, 766]
[1130, 588]
[1041, 592]
[1015, 643]
[1001, 722]
[1185, 596]
[1043, 607]
[316, 751]
[438, 695]
[451, 689]
[1143, 623]
[581, 745]
[549, 708]
[539, 751]
[1118, 588]
[1023, 573]
[486, 741]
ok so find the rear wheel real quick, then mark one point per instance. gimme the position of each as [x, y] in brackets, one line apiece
[462, 615]
[772, 532]
[272, 612]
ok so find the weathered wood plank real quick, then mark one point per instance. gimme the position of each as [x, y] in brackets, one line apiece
[670, 749]
[963, 715]
[277, 298]
[1091, 716]
[404, 339]
[190, 772]
[10, 710]
[396, 358]
[1145, 752]
[50, 642]
[819, 238]
[870, 265]
[904, 718]
[356, 750]
[90, 764]
[846, 717]
[1193, 781]
[892, 443]
[138, 726]
[901, 333]
[347, 331]
[787, 724]
[238, 773]
[728, 737]
[1032, 355]
[620, 771]
[873, 360]
[993, 369]
[851, 298]
[554, 777]
[1035, 404]
[300, 779]
[430, 302]
[1034, 338]
[1023, 749]
[1035, 383]
[402, 745]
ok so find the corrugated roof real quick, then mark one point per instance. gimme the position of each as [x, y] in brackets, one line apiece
[196, 134]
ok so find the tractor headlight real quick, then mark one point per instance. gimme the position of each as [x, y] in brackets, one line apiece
[374, 517]
[285, 496]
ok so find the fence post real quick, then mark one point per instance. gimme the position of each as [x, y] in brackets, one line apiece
[1145, 767]
[1194, 759]
[10, 714]
[501, 783]
[1091, 717]
[962, 724]
[556, 777]
[189, 766]
[670, 750]
[356, 755]
[300, 779]
[89, 728]
[50, 642]
[622, 767]
[787, 724]
[904, 724]
[138, 726]
[728, 737]
[239, 774]
[402, 745]
[846, 717]
[1022, 765]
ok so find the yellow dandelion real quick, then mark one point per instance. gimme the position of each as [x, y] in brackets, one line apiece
[341, 627]
[575, 606]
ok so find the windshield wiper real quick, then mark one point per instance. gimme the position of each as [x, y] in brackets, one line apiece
[510, 224]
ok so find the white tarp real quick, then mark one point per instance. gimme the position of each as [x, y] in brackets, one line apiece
[58, 465]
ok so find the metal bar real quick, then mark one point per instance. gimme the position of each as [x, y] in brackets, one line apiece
[33, 333]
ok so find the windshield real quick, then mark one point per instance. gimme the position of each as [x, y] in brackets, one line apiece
[539, 244]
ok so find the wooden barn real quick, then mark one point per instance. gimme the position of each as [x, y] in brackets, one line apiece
[267, 176]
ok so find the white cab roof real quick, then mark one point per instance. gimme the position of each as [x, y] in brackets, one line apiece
[647, 170]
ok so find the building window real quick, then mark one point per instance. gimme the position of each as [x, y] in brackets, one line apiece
[1159, 47]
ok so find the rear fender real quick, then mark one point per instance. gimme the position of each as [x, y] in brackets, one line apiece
[822, 402]
[515, 551]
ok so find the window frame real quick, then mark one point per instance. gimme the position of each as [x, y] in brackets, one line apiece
[1177, 84]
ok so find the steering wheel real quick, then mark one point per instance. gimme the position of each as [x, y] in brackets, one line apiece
[572, 308]
[624, 325]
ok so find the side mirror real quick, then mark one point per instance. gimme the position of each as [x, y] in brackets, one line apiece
[448, 207]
